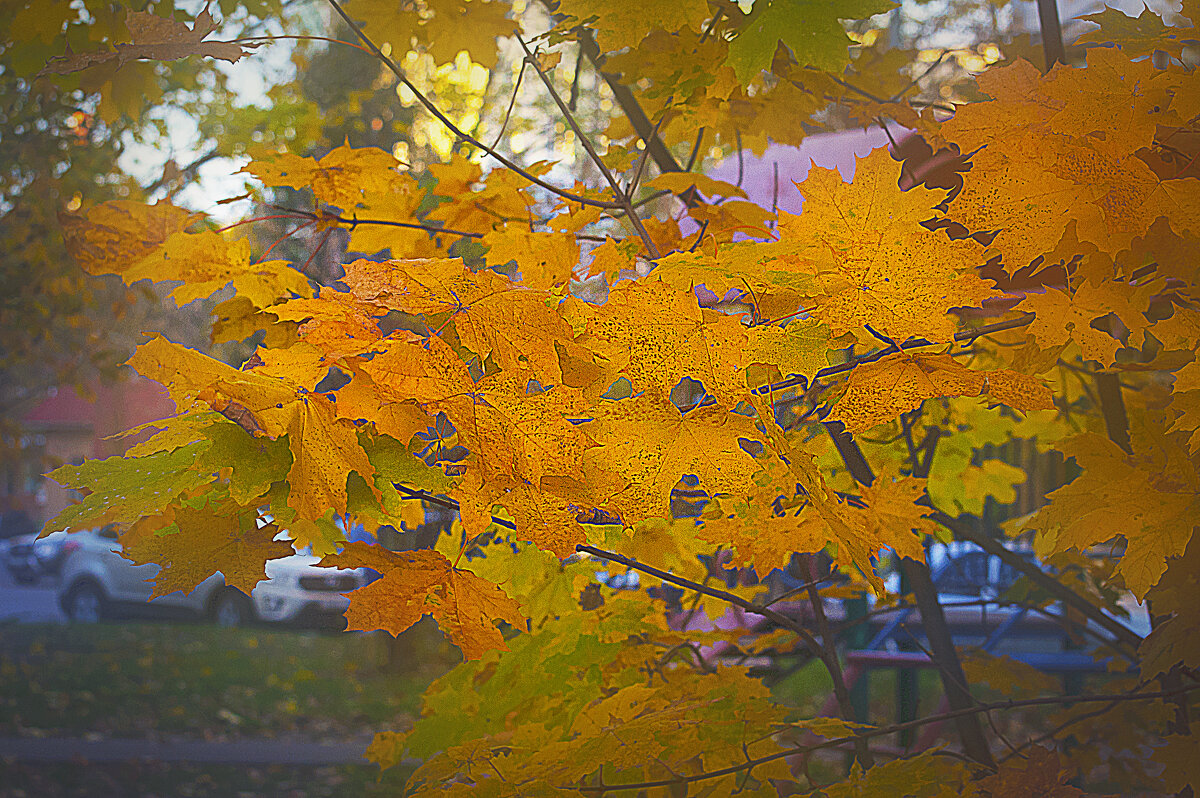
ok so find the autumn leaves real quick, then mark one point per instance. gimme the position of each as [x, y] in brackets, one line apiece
[521, 377]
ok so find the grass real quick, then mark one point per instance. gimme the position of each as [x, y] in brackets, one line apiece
[174, 780]
[145, 680]
[142, 680]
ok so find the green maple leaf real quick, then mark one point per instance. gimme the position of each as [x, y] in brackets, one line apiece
[123, 489]
[809, 28]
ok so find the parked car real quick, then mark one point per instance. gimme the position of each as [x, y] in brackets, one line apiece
[98, 583]
[28, 559]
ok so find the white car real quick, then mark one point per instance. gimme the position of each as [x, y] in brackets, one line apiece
[98, 583]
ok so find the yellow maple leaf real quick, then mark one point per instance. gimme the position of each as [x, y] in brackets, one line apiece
[441, 27]
[543, 259]
[324, 449]
[207, 262]
[511, 432]
[624, 23]
[882, 390]
[1154, 511]
[418, 583]
[336, 323]
[482, 305]
[342, 178]
[114, 237]
[875, 264]
[1062, 317]
[193, 541]
[398, 203]
[544, 518]
[654, 335]
[647, 446]
[775, 278]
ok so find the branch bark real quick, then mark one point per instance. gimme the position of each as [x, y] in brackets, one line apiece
[954, 680]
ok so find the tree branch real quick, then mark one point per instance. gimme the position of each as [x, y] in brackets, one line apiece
[445, 120]
[730, 598]
[622, 198]
[1123, 635]
[862, 752]
[880, 731]
[954, 680]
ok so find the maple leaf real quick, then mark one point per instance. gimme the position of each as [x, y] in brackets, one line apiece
[882, 390]
[618, 24]
[681, 182]
[1114, 97]
[975, 484]
[1039, 773]
[362, 399]
[199, 538]
[512, 433]
[441, 27]
[655, 335]
[154, 38]
[777, 279]
[338, 324]
[399, 203]
[123, 490]
[207, 262]
[875, 263]
[324, 449]
[1154, 511]
[1005, 674]
[483, 306]
[344, 177]
[647, 446]
[419, 583]
[1062, 316]
[802, 347]
[544, 259]
[1136, 36]
[116, 236]
[809, 28]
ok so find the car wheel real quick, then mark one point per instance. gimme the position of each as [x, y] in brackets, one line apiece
[231, 608]
[85, 603]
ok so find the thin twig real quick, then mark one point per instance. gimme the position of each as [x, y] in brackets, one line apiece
[829, 655]
[511, 103]
[892, 729]
[730, 598]
[622, 198]
[453, 128]
[637, 175]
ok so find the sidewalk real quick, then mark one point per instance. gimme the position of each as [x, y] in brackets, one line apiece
[236, 752]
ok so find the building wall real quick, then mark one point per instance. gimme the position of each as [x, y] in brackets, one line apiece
[68, 427]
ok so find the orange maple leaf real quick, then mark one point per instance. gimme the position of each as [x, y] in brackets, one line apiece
[325, 449]
[418, 583]
[655, 335]
[882, 390]
[873, 260]
[493, 316]
[193, 541]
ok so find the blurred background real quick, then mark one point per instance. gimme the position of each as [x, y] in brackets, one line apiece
[205, 697]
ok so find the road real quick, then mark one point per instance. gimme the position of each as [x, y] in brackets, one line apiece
[36, 603]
